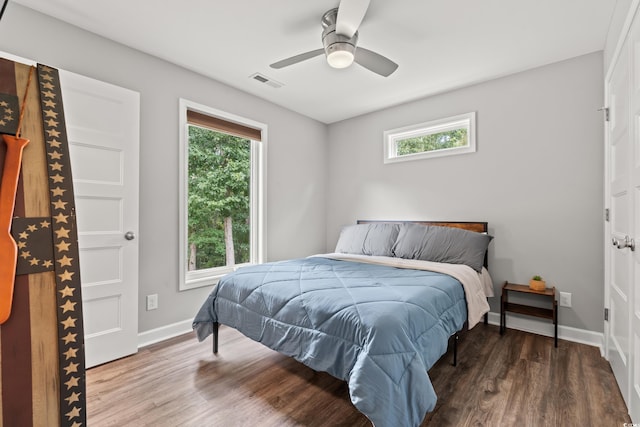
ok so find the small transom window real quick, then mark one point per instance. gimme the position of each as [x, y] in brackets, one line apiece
[437, 138]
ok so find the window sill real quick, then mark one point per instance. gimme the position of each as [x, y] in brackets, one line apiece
[201, 279]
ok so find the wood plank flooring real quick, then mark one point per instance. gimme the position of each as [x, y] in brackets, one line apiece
[518, 379]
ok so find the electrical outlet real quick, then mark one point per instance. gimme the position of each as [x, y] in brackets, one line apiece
[152, 302]
[565, 299]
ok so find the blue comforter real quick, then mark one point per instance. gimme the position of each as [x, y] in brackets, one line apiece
[379, 328]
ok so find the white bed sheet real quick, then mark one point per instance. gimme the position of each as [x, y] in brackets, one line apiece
[477, 286]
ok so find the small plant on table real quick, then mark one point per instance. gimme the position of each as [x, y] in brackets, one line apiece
[537, 284]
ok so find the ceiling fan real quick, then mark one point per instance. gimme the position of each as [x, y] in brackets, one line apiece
[340, 40]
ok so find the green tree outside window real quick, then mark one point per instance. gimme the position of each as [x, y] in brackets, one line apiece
[433, 142]
[219, 178]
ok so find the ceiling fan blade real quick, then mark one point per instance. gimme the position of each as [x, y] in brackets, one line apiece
[297, 58]
[375, 62]
[350, 15]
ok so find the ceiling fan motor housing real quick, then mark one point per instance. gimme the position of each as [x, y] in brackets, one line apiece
[335, 42]
[337, 45]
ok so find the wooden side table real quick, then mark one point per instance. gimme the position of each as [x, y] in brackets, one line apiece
[545, 313]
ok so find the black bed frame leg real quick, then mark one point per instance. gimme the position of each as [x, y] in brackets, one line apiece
[455, 349]
[215, 337]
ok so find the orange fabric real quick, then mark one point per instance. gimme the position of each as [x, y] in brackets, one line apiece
[8, 247]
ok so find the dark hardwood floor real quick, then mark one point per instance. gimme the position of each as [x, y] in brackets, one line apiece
[518, 379]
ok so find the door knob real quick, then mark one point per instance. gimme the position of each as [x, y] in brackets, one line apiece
[130, 235]
[626, 243]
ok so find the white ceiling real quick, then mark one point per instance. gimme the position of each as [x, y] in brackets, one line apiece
[439, 44]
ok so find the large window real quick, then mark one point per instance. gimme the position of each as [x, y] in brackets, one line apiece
[443, 137]
[221, 221]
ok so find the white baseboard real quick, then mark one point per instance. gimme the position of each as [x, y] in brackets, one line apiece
[545, 327]
[164, 333]
[532, 325]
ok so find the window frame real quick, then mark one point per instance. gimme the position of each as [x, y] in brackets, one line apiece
[393, 136]
[257, 240]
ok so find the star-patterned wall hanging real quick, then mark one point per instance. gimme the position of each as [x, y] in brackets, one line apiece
[42, 367]
[9, 112]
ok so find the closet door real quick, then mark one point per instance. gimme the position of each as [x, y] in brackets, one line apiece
[622, 187]
[630, 253]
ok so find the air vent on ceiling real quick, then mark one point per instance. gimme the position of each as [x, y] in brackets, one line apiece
[266, 80]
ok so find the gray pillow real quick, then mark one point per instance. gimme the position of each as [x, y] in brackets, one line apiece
[411, 241]
[380, 239]
[442, 244]
[368, 239]
[351, 240]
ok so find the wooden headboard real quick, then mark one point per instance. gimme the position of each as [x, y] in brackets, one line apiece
[478, 227]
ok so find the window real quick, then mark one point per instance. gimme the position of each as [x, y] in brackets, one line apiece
[444, 137]
[221, 193]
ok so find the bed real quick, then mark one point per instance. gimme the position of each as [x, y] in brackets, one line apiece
[377, 313]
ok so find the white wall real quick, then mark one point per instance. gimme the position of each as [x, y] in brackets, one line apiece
[536, 177]
[296, 151]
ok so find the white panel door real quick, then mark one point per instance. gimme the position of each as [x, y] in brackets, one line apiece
[632, 254]
[619, 294]
[622, 186]
[103, 131]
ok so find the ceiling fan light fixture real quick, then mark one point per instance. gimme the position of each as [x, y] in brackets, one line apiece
[339, 46]
[340, 55]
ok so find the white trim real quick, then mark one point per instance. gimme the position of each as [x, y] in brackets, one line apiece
[606, 197]
[545, 328]
[393, 136]
[258, 233]
[164, 333]
[622, 36]
[14, 58]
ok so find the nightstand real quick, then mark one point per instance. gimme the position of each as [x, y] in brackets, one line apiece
[548, 294]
